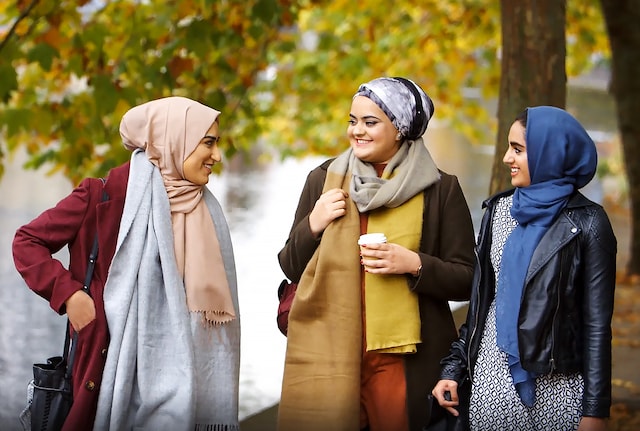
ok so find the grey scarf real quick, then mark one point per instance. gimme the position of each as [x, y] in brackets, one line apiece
[413, 171]
[164, 370]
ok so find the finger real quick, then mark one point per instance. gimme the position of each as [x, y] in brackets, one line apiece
[337, 193]
[372, 262]
[453, 411]
[337, 206]
[341, 192]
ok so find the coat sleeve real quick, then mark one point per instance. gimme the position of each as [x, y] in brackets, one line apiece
[301, 244]
[599, 281]
[447, 267]
[35, 243]
[454, 365]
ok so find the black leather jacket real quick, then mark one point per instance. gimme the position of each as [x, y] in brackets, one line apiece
[564, 324]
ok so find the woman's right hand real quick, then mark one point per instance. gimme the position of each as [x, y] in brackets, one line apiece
[329, 206]
[446, 392]
[81, 310]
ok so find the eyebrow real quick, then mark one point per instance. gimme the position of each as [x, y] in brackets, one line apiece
[215, 138]
[366, 117]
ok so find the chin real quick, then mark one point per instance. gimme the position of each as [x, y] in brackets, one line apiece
[363, 156]
[201, 182]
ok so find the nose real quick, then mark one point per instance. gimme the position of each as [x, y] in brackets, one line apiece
[216, 154]
[508, 157]
[358, 130]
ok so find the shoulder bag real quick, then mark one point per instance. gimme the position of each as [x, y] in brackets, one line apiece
[286, 293]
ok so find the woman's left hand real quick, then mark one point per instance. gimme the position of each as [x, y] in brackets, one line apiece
[389, 258]
[589, 423]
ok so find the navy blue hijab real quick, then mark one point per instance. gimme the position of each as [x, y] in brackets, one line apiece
[562, 159]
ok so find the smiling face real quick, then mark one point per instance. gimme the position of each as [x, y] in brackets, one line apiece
[516, 156]
[197, 167]
[371, 133]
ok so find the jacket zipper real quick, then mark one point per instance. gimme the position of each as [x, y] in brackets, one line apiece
[476, 317]
[552, 361]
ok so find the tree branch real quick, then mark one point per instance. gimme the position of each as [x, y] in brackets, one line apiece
[22, 16]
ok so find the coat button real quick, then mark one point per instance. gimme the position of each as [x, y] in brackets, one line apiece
[574, 229]
[103, 352]
[90, 385]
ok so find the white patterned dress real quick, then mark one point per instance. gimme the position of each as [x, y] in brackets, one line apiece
[495, 404]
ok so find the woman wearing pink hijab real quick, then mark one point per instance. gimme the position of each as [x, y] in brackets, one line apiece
[159, 334]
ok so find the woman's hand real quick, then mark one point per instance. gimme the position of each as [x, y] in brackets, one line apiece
[589, 423]
[389, 258]
[81, 310]
[446, 392]
[329, 206]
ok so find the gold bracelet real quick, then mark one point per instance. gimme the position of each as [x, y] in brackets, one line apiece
[418, 271]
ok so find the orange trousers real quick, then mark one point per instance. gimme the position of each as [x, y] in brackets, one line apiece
[383, 393]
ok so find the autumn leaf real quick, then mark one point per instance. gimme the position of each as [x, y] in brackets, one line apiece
[281, 71]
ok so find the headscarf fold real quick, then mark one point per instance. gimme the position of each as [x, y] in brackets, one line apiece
[562, 158]
[169, 130]
[403, 101]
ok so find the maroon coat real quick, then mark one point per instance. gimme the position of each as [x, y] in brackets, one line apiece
[73, 222]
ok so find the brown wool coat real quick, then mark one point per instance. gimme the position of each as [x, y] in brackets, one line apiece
[447, 256]
[73, 222]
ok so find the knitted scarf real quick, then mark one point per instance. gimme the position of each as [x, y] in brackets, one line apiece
[321, 383]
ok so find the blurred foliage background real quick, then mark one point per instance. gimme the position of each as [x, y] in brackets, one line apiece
[281, 71]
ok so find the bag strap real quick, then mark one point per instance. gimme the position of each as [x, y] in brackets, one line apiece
[69, 353]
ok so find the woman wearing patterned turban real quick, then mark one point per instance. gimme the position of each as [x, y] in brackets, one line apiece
[367, 329]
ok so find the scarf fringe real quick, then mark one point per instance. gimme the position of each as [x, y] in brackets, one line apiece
[212, 318]
[216, 427]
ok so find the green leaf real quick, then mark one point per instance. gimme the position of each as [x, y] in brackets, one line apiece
[43, 54]
[16, 120]
[105, 94]
[8, 81]
[266, 10]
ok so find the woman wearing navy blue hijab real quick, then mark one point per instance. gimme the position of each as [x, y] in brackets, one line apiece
[535, 351]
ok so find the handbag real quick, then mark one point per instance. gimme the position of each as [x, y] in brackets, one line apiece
[50, 393]
[286, 293]
[442, 420]
[51, 396]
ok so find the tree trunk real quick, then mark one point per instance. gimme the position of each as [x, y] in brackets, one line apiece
[622, 18]
[533, 68]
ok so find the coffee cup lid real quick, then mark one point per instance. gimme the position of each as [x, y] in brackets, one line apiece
[372, 238]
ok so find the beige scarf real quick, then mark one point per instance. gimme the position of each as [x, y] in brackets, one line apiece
[321, 382]
[169, 130]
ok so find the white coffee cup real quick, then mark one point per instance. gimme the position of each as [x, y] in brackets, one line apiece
[372, 238]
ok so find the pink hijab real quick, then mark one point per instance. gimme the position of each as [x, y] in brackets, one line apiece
[168, 130]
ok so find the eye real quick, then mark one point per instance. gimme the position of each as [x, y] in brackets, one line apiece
[211, 140]
[371, 123]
